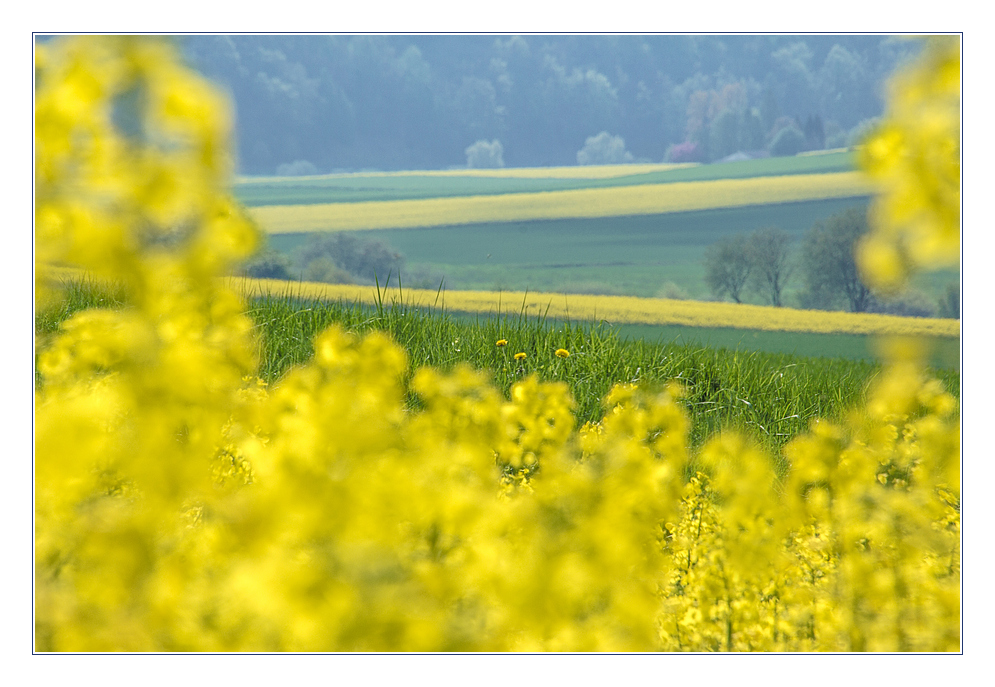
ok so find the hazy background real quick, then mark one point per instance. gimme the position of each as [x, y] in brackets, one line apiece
[315, 104]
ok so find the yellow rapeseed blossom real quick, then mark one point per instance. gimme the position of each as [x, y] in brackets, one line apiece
[183, 505]
[914, 157]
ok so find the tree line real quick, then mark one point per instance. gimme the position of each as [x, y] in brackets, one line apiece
[313, 103]
[762, 262]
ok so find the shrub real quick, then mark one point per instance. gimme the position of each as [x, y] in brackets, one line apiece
[270, 264]
[908, 303]
[341, 254]
[685, 152]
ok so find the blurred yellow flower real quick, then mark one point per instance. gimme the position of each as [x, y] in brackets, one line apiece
[562, 353]
[183, 505]
[501, 342]
[914, 157]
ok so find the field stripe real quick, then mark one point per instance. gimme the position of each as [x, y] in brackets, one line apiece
[620, 309]
[571, 172]
[618, 201]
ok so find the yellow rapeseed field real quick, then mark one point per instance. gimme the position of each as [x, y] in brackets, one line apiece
[644, 199]
[625, 309]
[181, 504]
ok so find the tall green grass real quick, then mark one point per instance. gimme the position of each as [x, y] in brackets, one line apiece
[769, 396]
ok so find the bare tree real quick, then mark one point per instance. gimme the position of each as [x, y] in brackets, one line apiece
[727, 266]
[769, 252]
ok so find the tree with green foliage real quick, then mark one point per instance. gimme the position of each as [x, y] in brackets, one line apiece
[768, 250]
[829, 262]
[788, 141]
[727, 267]
[604, 149]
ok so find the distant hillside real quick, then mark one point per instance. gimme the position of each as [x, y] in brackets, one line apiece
[310, 104]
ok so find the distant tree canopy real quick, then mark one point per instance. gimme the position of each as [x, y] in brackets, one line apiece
[338, 102]
[604, 149]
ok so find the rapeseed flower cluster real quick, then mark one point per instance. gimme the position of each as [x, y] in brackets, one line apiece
[182, 504]
[914, 156]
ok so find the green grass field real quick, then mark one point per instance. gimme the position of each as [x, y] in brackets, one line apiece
[771, 396]
[944, 352]
[635, 255]
[365, 187]
[639, 255]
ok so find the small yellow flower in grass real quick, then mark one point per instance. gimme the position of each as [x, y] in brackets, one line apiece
[519, 356]
[501, 342]
[562, 353]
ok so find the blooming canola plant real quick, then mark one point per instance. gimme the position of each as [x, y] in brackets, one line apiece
[183, 505]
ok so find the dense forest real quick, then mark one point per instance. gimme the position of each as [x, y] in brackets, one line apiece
[321, 103]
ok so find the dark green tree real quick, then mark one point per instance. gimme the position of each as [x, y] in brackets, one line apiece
[727, 267]
[768, 249]
[828, 258]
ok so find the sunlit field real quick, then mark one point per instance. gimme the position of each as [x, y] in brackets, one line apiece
[645, 199]
[617, 309]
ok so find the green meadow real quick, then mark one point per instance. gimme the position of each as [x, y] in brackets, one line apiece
[639, 255]
[350, 188]
[768, 385]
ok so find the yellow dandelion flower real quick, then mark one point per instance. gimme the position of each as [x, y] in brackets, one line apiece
[519, 356]
[562, 353]
[501, 342]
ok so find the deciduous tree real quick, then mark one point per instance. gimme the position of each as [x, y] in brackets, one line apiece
[768, 250]
[829, 261]
[727, 267]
